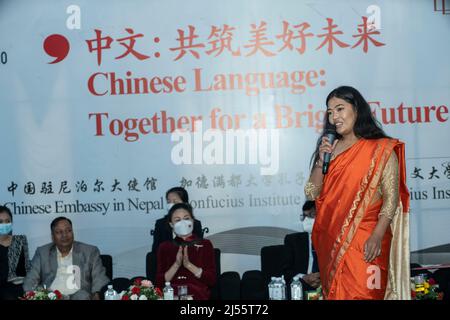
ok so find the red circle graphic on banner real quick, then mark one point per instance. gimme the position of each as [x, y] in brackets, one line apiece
[56, 46]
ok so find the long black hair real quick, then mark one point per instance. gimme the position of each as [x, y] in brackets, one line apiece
[366, 126]
[6, 210]
[181, 192]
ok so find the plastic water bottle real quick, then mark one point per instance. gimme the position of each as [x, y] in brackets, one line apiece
[110, 294]
[283, 288]
[168, 292]
[271, 287]
[296, 289]
[278, 289]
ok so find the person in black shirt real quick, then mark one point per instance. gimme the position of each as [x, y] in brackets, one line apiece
[14, 258]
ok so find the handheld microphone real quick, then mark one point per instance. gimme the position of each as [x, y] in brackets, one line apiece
[331, 135]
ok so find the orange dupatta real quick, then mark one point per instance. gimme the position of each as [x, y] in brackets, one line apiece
[346, 218]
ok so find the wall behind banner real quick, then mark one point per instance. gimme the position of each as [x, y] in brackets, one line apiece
[92, 91]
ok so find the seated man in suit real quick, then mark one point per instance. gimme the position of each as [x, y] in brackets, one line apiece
[312, 277]
[163, 231]
[72, 267]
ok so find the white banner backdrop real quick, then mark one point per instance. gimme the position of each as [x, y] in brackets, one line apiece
[92, 91]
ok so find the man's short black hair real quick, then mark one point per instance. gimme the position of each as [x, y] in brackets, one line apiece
[56, 220]
[308, 205]
[7, 211]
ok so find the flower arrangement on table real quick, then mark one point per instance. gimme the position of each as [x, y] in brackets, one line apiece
[314, 294]
[42, 294]
[425, 289]
[141, 290]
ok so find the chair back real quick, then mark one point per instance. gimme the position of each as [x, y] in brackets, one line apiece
[150, 266]
[274, 262]
[253, 286]
[297, 246]
[108, 264]
[229, 286]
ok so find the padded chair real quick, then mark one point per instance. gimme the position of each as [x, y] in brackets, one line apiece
[253, 286]
[108, 264]
[215, 295]
[150, 266]
[417, 272]
[274, 262]
[297, 250]
[138, 277]
[121, 284]
[442, 277]
[217, 254]
[229, 284]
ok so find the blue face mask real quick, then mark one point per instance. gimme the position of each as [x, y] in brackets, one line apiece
[5, 228]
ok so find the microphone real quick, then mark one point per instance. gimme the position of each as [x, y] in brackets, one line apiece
[331, 135]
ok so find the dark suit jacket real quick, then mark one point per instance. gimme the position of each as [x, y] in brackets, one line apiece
[163, 232]
[298, 258]
[297, 245]
[44, 267]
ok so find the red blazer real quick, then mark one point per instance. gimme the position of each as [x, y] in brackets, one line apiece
[201, 254]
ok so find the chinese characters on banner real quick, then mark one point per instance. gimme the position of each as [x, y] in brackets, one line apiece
[297, 36]
[149, 184]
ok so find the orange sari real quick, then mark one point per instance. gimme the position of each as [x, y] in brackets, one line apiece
[347, 214]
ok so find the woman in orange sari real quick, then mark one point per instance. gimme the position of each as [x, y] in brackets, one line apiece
[361, 231]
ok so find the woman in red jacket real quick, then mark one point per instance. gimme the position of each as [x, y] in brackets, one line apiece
[186, 260]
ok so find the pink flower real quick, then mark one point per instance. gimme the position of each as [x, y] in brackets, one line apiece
[147, 283]
[431, 282]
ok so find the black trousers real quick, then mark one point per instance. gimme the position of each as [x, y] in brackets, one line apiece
[10, 291]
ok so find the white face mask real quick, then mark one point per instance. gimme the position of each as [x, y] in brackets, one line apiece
[169, 205]
[308, 224]
[183, 227]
